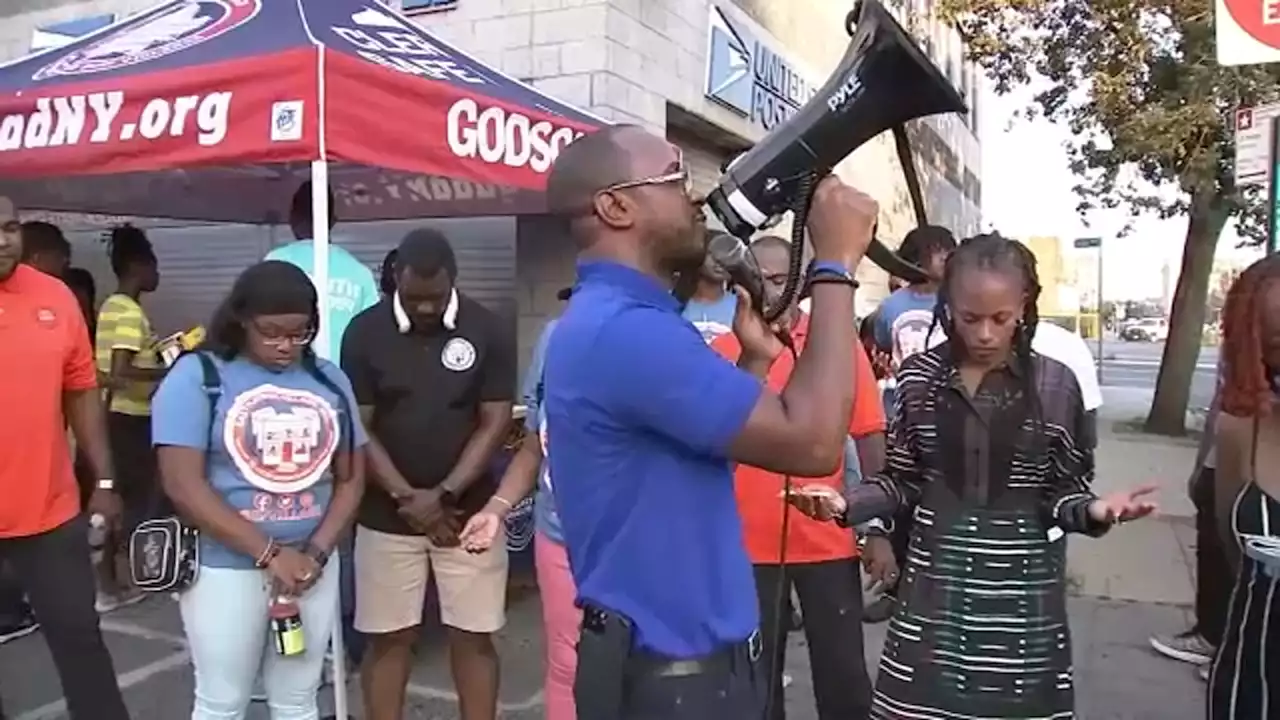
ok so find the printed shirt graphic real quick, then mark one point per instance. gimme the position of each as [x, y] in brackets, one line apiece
[904, 324]
[352, 287]
[274, 438]
[714, 318]
[123, 325]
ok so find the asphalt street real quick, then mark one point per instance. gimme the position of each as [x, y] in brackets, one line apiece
[1128, 373]
[1118, 677]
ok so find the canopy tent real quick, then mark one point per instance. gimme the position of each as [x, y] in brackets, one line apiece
[214, 110]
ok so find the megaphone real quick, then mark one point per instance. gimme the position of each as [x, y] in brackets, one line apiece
[883, 80]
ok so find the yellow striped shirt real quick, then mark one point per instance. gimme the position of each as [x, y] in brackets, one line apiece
[122, 325]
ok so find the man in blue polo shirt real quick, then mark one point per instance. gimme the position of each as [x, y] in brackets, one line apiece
[643, 421]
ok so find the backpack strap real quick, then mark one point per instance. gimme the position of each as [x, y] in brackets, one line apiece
[345, 420]
[211, 383]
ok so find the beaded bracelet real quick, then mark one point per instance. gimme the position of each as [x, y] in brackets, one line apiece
[269, 553]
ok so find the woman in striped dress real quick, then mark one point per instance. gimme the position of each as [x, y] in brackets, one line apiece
[993, 450]
[1245, 681]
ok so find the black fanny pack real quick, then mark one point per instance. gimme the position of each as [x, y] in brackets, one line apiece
[164, 553]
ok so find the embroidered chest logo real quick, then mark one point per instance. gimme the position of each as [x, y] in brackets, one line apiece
[281, 440]
[46, 318]
[458, 354]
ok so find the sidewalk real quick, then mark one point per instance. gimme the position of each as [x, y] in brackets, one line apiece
[1129, 585]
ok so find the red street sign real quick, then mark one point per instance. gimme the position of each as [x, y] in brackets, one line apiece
[1259, 18]
[1244, 119]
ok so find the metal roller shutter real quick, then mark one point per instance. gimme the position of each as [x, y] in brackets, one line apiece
[198, 264]
[485, 248]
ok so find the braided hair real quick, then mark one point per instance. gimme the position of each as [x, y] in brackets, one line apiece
[128, 245]
[1246, 381]
[996, 253]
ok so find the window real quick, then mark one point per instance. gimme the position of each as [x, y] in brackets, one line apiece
[427, 5]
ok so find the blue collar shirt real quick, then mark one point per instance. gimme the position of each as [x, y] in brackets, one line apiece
[640, 416]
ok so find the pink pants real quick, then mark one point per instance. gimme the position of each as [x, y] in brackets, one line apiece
[561, 620]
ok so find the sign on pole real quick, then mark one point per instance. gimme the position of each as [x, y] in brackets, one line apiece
[1248, 31]
[1253, 142]
[1085, 243]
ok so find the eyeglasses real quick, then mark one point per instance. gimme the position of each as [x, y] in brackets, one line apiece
[679, 175]
[275, 338]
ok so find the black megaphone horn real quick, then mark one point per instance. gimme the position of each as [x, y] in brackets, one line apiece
[883, 80]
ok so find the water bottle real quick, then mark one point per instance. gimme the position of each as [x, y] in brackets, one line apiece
[286, 626]
[97, 532]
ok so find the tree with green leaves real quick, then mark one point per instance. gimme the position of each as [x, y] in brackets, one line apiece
[1151, 116]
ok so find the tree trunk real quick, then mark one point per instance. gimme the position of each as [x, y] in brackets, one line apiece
[1186, 323]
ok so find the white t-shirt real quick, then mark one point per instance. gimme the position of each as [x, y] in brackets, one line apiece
[1068, 348]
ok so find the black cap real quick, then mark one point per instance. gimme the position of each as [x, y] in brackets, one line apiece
[564, 294]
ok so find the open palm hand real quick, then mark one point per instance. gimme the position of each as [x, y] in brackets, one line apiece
[1124, 506]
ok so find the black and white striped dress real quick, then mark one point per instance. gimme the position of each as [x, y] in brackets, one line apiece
[1245, 681]
[981, 627]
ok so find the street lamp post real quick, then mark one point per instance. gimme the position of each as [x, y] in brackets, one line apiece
[1084, 244]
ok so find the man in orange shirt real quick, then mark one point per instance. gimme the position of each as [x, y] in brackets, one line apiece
[821, 560]
[48, 380]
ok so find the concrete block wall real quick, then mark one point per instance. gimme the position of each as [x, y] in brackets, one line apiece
[19, 17]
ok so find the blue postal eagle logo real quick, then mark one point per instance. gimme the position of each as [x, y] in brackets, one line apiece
[166, 30]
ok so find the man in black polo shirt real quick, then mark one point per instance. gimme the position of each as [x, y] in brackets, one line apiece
[434, 373]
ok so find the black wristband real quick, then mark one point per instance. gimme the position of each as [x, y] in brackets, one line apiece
[832, 279]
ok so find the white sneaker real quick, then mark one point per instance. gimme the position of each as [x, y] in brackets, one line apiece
[1188, 647]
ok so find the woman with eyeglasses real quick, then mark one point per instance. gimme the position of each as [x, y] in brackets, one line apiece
[267, 462]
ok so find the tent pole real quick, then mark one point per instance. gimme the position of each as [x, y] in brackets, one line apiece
[320, 249]
[320, 214]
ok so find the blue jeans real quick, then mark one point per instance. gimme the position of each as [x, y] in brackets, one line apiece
[225, 617]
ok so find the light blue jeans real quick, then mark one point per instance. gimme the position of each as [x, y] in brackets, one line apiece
[225, 617]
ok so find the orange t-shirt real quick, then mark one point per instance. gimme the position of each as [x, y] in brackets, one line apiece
[759, 491]
[44, 352]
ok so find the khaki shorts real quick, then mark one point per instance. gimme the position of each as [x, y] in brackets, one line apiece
[391, 573]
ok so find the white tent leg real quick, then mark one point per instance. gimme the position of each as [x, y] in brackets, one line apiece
[339, 650]
[320, 273]
[320, 248]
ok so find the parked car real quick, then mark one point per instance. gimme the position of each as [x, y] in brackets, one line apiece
[1146, 330]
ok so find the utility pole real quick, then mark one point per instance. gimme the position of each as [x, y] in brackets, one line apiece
[1096, 242]
[1273, 196]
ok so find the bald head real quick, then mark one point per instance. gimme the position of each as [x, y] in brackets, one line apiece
[585, 166]
[772, 253]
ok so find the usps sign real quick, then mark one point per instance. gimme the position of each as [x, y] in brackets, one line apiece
[1248, 31]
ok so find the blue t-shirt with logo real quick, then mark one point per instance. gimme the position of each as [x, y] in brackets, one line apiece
[352, 287]
[546, 519]
[904, 324]
[273, 439]
[713, 318]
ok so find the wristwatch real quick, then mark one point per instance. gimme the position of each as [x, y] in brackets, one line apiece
[314, 552]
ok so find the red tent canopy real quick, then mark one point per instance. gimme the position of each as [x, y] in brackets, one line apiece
[214, 110]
